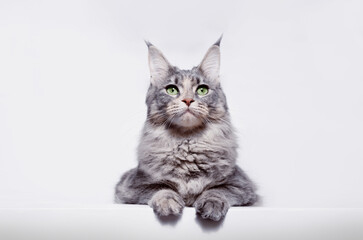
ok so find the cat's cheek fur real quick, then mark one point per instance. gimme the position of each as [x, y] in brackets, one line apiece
[166, 202]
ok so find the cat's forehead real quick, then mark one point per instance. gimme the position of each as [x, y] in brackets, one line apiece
[191, 76]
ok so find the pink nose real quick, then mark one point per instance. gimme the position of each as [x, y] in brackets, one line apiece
[188, 101]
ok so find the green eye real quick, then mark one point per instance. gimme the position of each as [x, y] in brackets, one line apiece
[172, 90]
[202, 90]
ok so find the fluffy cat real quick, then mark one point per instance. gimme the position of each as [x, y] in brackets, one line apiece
[187, 152]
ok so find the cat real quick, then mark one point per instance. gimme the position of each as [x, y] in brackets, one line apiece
[188, 149]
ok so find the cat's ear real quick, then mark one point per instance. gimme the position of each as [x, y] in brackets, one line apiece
[158, 64]
[211, 62]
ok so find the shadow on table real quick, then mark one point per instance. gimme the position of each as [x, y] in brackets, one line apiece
[170, 220]
[208, 225]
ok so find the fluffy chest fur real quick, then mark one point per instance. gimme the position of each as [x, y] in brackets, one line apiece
[189, 163]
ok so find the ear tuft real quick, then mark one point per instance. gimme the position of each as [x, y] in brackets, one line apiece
[218, 43]
[148, 44]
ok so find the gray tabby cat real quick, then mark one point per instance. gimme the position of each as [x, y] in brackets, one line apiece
[188, 149]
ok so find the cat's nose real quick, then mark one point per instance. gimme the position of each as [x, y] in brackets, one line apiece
[188, 101]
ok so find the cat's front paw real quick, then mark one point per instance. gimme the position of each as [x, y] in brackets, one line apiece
[166, 202]
[214, 208]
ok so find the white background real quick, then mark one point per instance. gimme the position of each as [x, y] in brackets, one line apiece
[74, 74]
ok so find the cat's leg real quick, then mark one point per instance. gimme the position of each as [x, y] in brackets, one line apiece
[214, 202]
[135, 187]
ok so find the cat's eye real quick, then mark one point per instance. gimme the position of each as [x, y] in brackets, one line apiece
[202, 90]
[172, 90]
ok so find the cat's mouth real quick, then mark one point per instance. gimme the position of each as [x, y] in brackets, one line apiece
[188, 118]
[188, 110]
[191, 114]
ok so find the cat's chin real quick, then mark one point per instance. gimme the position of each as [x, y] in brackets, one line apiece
[188, 120]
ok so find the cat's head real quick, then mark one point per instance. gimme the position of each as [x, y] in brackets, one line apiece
[185, 99]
